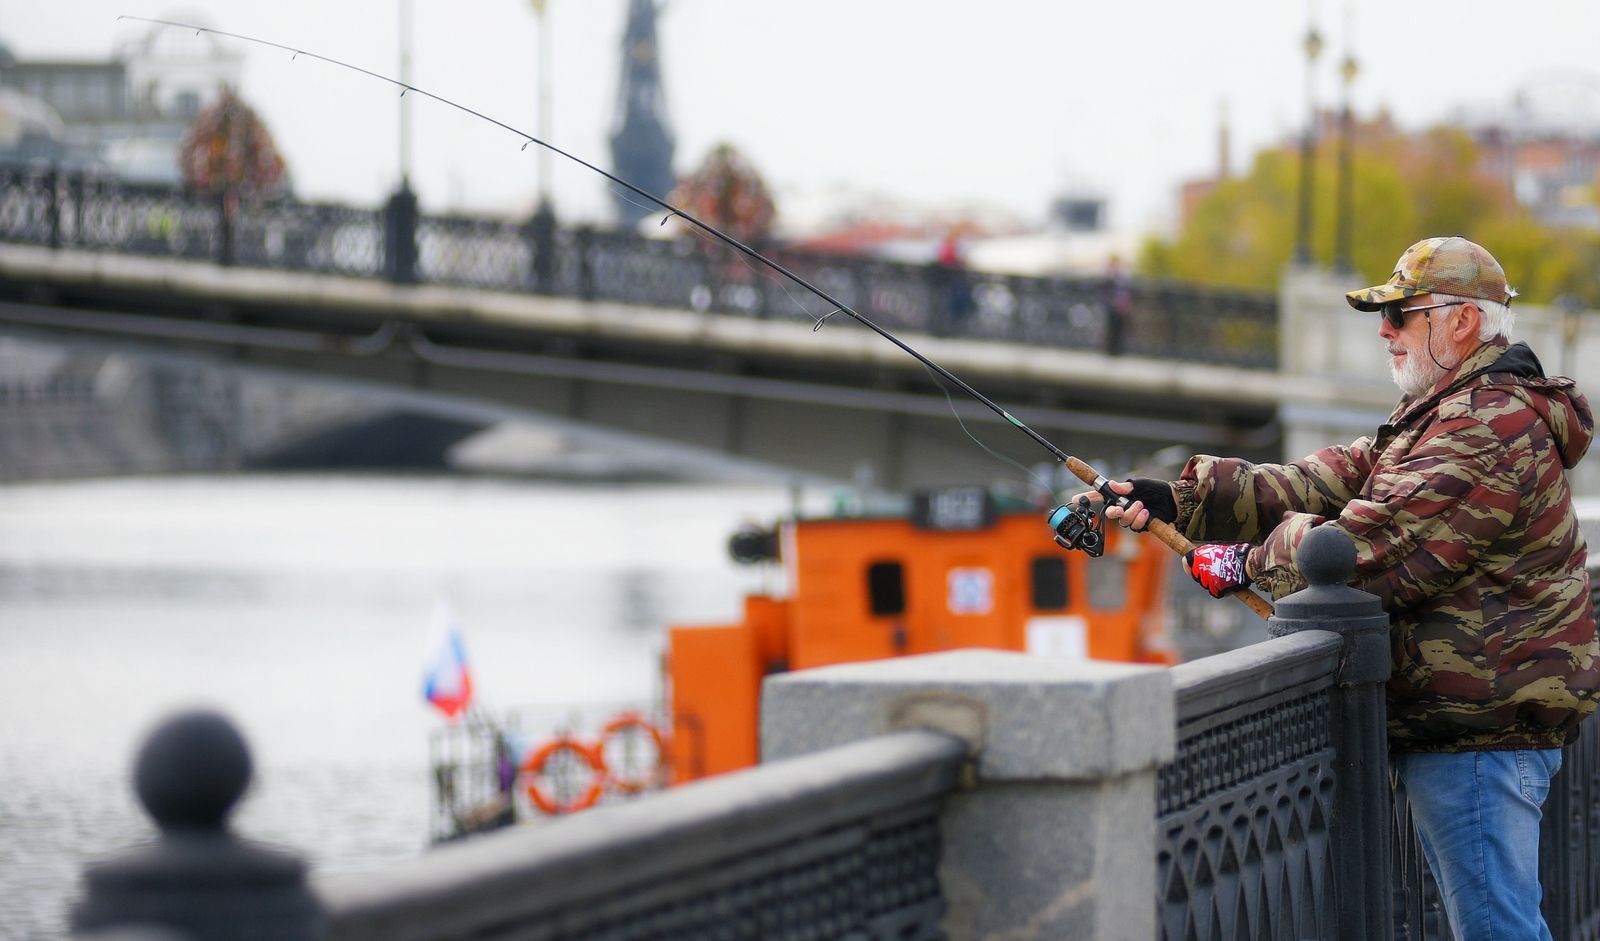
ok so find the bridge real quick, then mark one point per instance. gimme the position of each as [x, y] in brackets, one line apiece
[694, 352]
[668, 341]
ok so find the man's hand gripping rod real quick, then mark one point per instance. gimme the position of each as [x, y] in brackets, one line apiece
[1162, 530]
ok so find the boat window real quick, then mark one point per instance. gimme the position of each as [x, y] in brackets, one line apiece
[886, 588]
[1108, 583]
[1049, 583]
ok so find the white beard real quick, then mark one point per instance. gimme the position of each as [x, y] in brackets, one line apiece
[1417, 372]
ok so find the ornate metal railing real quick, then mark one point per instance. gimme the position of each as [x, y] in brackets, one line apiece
[1273, 821]
[839, 844]
[1243, 809]
[842, 844]
[1569, 849]
[1569, 838]
[1269, 819]
[42, 207]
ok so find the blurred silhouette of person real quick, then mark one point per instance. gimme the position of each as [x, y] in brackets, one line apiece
[955, 286]
[1119, 304]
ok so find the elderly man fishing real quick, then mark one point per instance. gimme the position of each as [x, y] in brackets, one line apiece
[1463, 524]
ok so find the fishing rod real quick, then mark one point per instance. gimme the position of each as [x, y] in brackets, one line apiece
[1076, 526]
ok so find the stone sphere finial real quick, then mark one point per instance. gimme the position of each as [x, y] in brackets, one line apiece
[1327, 556]
[191, 771]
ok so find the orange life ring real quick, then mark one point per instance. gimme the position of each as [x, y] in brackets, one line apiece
[620, 725]
[534, 767]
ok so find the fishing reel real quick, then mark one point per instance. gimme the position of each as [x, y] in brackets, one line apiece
[1080, 525]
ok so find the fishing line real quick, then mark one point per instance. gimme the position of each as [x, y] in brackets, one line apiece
[1033, 475]
[761, 276]
[1174, 540]
[718, 234]
[764, 278]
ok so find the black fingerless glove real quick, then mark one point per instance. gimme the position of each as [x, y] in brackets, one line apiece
[1156, 495]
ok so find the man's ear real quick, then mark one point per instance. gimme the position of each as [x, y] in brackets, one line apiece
[1466, 324]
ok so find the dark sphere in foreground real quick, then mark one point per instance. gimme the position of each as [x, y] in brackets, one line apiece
[191, 771]
[1326, 556]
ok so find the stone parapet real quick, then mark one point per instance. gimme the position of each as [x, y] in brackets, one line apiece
[1053, 835]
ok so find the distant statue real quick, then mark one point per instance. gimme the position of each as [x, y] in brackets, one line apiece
[641, 144]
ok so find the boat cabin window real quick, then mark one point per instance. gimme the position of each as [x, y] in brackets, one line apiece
[1049, 583]
[886, 588]
[1108, 583]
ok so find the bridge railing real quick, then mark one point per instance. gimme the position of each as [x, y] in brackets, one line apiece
[43, 207]
[841, 844]
[964, 794]
[1569, 836]
[1278, 817]
[1569, 847]
[1244, 809]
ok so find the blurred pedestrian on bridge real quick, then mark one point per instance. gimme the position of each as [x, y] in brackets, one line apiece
[955, 286]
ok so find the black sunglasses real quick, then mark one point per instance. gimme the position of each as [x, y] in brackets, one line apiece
[1396, 314]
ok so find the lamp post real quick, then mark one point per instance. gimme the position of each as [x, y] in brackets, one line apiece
[544, 102]
[405, 103]
[542, 227]
[1313, 48]
[1341, 258]
[400, 212]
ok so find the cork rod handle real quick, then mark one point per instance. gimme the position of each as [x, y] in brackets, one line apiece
[1174, 540]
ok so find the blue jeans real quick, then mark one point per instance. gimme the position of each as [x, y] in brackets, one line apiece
[1478, 815]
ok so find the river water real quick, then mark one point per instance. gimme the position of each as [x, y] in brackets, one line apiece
[299, 605]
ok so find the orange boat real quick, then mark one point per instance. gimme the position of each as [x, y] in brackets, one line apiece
[963, 569]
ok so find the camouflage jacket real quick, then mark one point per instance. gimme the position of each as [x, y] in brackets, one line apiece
[1463, 524]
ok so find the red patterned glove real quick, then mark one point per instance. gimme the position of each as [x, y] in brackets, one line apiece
[1219, 569]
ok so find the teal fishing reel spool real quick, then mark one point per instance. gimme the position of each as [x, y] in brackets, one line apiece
[1079, 526]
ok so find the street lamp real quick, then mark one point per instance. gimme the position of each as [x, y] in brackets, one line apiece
[1313, 48]
[405, 103]
[544, 102]
[1341, 257]
[542, 227]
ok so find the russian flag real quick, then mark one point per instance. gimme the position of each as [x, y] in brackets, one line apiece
[446, 683]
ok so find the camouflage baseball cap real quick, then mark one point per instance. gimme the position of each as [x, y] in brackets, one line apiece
[1450, 265]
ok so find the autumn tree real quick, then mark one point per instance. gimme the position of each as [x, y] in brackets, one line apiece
[1403, 188]
[228, 147]
[726, 191]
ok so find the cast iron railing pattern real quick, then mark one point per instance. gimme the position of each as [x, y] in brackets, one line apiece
[1243, 809]
[1569, 837]
[1569, 848]
[837, 844]
[873, 881]
[39, 206]
[475, 253]
[1569, 840]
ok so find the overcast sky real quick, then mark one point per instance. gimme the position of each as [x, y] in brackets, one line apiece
[1005, 103]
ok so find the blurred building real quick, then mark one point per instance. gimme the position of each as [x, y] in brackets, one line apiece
[1554, 174]
[126, 115]
[1545, 144]
[1549, 161]
[1075, 238]
[1366, 133]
